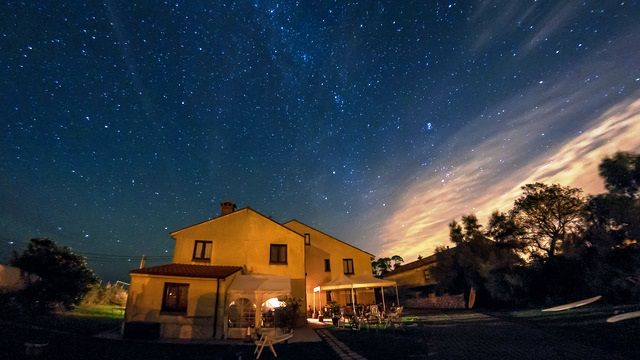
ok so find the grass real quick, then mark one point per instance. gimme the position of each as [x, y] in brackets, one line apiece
[107, 311]
[586, 325]
[83, 320]
[410, 343]
[529, 334]
[70, 337]
[426, 334]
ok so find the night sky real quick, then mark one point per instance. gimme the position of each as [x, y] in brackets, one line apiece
[377, 122]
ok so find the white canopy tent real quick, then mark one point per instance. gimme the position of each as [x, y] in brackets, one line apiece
[345, 282]
[258, 289]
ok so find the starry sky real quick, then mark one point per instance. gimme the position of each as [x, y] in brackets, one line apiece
[377, 122]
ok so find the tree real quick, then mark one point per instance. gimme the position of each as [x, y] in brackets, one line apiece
[381, 266]
[621, 174]
[489, 265]
[615, 216]
[64, 277]
[549, 216]
[397, 261]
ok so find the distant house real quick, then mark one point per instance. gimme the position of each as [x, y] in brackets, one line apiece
[228, 271]
[14, 279]
[417, 287]
[414, 279]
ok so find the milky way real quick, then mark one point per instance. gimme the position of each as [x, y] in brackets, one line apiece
[378, 122]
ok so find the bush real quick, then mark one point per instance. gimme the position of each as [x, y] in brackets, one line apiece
[287, 316]
[64, 277]
[106, 295]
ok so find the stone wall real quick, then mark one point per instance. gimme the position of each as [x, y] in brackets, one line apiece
[438, 302]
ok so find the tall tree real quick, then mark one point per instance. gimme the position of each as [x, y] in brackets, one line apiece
[621, 174]
[549, 216]
[615, 215]
[382, 266]
[397, 261]
[64, 277]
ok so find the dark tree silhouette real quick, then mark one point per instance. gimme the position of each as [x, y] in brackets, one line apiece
[382, 266]
[549, 216]
[621, 174]
[615, 216]
[64, 277]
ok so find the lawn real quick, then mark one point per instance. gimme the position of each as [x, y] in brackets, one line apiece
[530, 334]
[410, 343]
[70, 337]
[586, 325]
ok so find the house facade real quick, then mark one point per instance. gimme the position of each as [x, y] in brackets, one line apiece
[417, 286]
[414, 279]
[327, 259]
[227, 271]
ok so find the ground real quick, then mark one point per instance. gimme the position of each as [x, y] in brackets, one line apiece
[530, 334]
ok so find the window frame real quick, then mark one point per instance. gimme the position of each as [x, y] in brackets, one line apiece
[345, 266]
[203, 252]
[178, 309]
[307, 239]
[278, 260]
[327, 265]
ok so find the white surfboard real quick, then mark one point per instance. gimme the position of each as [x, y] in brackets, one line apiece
[574, 304]
[625, 316]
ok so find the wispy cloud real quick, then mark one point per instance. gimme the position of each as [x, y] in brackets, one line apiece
[420, 224]
[561, 15]
[556, 131]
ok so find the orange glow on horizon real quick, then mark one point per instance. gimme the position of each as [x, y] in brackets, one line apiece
[478, 186]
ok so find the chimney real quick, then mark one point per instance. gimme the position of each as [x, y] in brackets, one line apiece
[227, 207]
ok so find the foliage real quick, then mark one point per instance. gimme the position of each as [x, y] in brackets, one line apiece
[382, 266]
[477, 262]
[553, 246]
[548, 216]
[107, 294]
[64, 277]
[287, 316]
[621, 174]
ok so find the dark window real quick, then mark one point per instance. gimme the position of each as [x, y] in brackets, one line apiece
[347, 264]
[202, 250]
[307, 239]
[278, 254]
[174, 299]
[327, 265]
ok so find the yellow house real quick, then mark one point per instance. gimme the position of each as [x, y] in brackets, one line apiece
[226, 272]
[414, 277]
[329, 259]
[417, 287]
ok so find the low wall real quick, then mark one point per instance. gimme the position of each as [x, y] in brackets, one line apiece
[438, 302]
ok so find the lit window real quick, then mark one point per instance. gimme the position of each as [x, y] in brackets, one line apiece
[175, 298]
[347, 264]
[202, 250]
[278, 254]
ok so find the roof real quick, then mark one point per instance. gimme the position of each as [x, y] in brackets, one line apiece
[188, 270]
[324, 233]
[243, 210]
[260, 287]
[412, 265]
[354, 282]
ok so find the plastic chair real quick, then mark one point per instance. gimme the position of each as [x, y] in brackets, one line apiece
[269, 341]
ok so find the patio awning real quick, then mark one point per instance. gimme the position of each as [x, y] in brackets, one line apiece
[354, 282]
[259, 287]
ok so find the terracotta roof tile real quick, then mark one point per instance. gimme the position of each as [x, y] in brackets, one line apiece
[189, 270]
